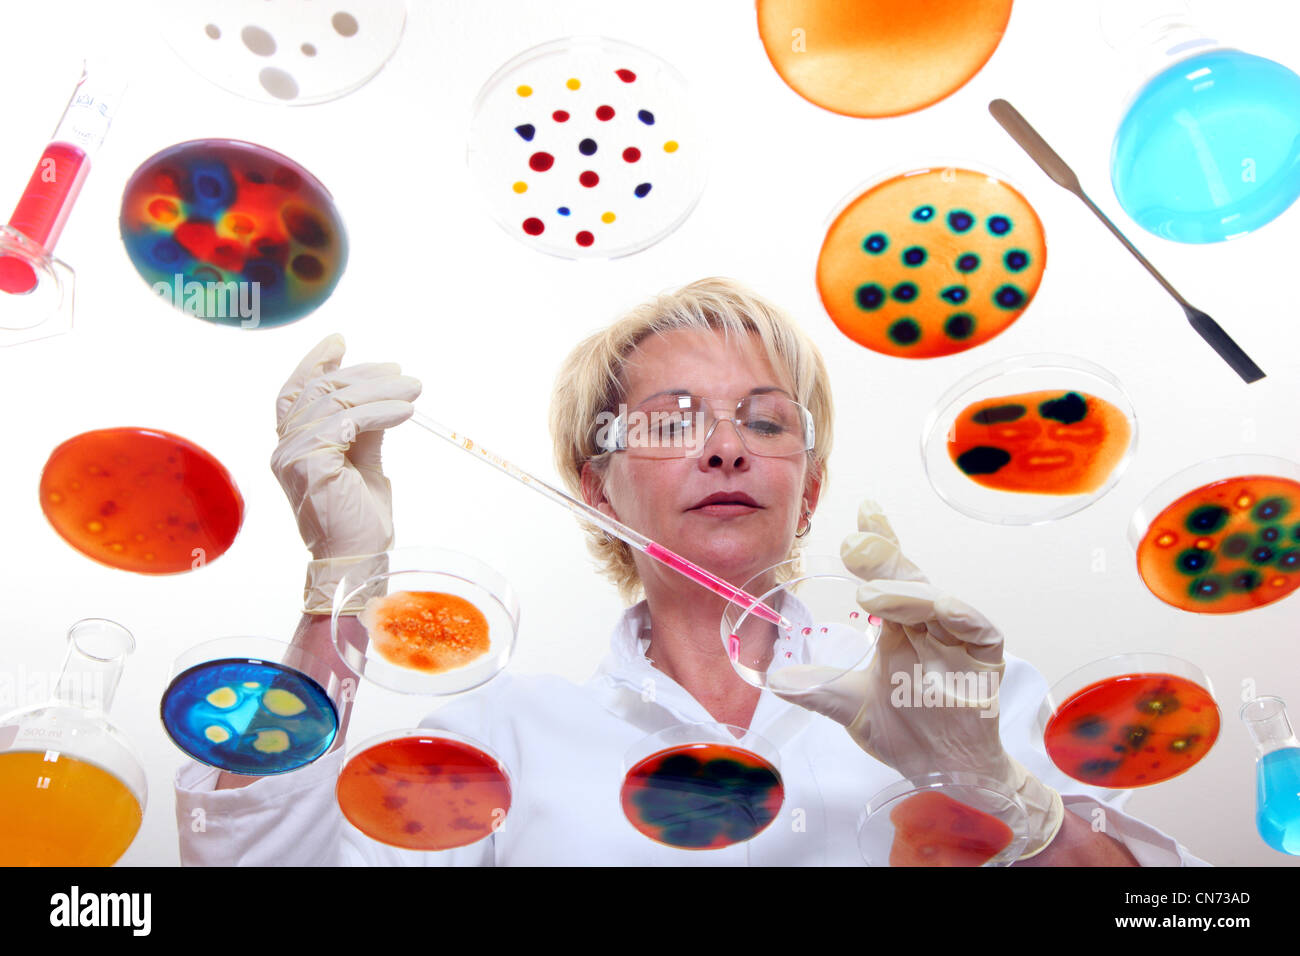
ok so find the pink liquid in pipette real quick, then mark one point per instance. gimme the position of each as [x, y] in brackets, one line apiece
[43, 210]
[712, 582]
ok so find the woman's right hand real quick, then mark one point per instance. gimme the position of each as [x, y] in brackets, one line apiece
[331, 423]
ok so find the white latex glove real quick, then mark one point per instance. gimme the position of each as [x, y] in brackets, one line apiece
[883, 707]
[331, 425]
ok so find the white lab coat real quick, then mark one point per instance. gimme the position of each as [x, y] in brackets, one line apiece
[565, 747]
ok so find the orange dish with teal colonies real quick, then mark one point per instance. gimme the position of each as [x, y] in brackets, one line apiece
[1227, 546]
[1046, 442]
[931, 262]
[426, 630]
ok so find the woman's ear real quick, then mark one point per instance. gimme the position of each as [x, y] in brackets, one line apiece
[593, 489]
[812, 487]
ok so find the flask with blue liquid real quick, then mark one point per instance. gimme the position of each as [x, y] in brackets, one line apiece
[1208, 148]
[1277, 773]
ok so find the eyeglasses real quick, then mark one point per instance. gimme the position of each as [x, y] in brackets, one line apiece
[680, 426]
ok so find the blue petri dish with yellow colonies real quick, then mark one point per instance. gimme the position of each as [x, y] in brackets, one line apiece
[249, 716]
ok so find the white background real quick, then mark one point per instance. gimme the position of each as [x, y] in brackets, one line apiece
[484, 322]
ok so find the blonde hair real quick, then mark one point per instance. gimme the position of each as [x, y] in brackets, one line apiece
[590, 382]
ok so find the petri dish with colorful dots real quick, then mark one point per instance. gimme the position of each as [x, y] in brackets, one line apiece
[424, 790]
[943, 819]
[587, 148]
[701, 786]
[930, 262]
[141, 499]
[1132, 720]
[251, 705]
[292, 54]
[830, 634]
[1222, 536]
[1029, 439]
[233, 233]
[424, 621]
[872, 58]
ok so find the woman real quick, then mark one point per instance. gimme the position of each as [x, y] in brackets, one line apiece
[723, 487]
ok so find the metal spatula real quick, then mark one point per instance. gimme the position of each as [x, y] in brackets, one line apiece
[1064, 176]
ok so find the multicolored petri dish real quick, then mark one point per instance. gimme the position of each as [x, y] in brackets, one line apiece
[141, 500]
[1223, 536]
[931, 262]
[233, 233]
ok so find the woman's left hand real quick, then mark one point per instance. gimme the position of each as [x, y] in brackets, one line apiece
[929, 699]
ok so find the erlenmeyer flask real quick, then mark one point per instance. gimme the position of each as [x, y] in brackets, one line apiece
[1277, 773]
[1209, 146]
[72, 792]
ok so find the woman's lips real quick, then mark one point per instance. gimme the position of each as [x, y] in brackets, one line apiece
[726, 504]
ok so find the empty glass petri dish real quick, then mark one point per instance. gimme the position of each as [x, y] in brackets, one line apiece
[1029, 439]
[251, 705]
[1221, 536]
[587, 148]
[930, 260]
[1131, 720]
[830, 635]
[293, 54]
[943, 819]
[424, 790]
[427, 621]
[701, 786]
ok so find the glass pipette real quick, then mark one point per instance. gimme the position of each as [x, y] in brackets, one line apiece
[611, 525]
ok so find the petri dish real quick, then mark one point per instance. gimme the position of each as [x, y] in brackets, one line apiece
[293, 54]
[701, 786]
[251, 705]
[874, 58]
[140, 499]
[233, 233]
[424, 790]
[1132, 720]
[36, 291]
[1222, 536]
[587, 148]
[429, 621]
[943, 819]
[830, 637]
[931, 261]
[1029, 439]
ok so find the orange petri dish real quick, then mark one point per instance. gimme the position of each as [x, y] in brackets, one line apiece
[426, 630]
[1047, 442]
[931, 262]
[1228, 546]
[1132, 730]
[933, 829]
[873, 58]
[141, 500]
[63, 812]
[423, 791]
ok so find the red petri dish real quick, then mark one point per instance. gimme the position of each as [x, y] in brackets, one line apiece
[933, 829]
[1132, 730]
[141, 500]
[702, 796]
[418, 791]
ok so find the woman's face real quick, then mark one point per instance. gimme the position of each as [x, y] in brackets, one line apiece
[728, 510]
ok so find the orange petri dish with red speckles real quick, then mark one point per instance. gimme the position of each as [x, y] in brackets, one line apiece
[141, 500]
[426, 630]
[1132, 730]
[933, 829]
[1046, 442]
[424, 792]
[874, 58]
[1228, 546]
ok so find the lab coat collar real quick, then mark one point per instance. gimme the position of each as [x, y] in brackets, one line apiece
[630, 687]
